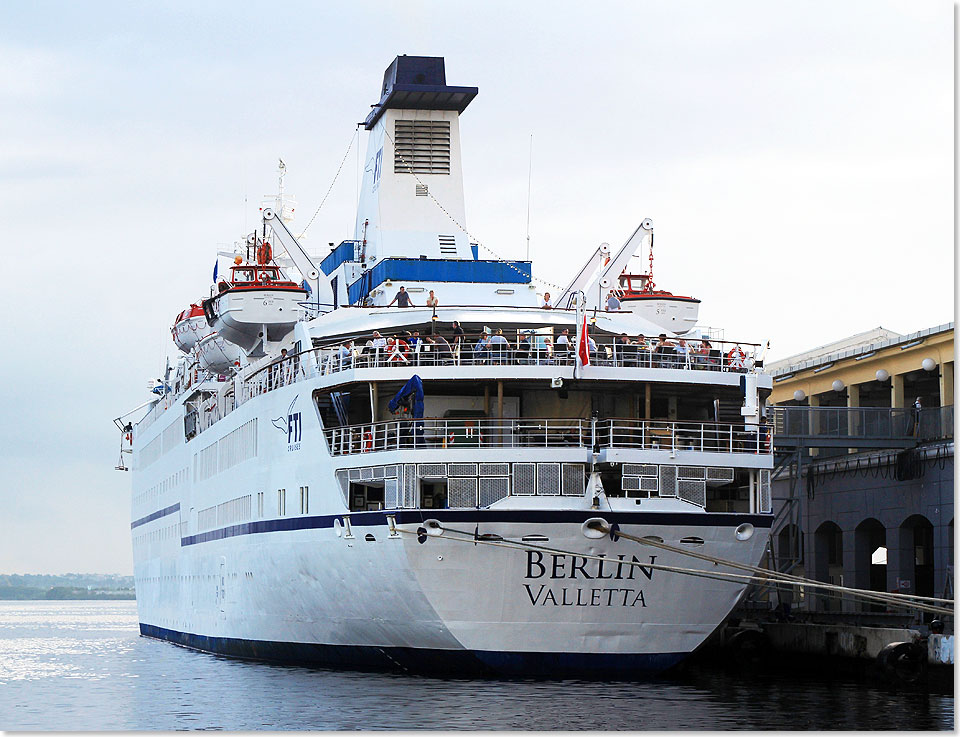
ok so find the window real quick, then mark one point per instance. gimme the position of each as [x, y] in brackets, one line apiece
[304, 500]
[281, 502]
[260, 504]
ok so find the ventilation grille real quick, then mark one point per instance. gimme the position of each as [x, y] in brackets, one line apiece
[448, 245]
[354, 474]
[494, 469]
[378, 472]
[433, 470]
[765, 500]
[524, 478]
[492, 490]
[638, 469]
[462, 493]
[409, 485]
[573, 479]
[630, 483]
[694, 492]
[366, 473]
[720, 474]
[390, 472]
[649, 484]
[668, 480]
[422, 190]
[548, 479]
[390, 487]
[463, 469]
[421, 147]
[692, 472]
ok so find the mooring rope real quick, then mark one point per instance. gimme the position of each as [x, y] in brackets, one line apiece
[907, 601]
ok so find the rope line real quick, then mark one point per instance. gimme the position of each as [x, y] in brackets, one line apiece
[761, 574]
[455, 222]
[330, 188]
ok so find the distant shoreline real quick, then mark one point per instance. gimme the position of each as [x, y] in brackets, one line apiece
[63, 594]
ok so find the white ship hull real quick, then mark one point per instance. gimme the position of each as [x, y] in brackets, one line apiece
[329, 586]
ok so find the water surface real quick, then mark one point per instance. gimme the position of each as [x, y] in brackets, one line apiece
[81, 665]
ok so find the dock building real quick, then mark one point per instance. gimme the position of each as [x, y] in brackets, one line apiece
[863, 484]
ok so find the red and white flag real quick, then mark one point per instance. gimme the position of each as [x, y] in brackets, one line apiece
[583, 350]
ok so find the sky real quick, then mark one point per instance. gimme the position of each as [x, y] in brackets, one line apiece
[796, 158]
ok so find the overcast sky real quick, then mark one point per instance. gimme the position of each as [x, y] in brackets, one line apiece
[796, 159]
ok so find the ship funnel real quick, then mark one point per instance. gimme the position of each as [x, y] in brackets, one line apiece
[411, 200]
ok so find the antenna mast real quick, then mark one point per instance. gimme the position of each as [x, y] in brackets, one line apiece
[529, 180]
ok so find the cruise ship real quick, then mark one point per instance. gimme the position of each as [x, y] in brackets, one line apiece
[412, 454]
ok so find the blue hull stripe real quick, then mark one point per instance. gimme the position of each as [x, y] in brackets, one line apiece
[156, 515]
[423, 661]
[481, 516]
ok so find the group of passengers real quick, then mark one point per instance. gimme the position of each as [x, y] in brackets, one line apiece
[530, 347]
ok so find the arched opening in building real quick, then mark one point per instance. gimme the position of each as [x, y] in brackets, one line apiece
[870, 559]
[916, 551]
[828, 563]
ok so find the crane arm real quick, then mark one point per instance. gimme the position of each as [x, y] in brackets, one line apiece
[607, 278]
[321, 291]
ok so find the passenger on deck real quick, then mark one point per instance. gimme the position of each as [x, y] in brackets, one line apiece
[345, 354]
[458, 337]
[523, 349]
[402, 299]
[378, 348]
[432, 300]
[563, 344]
[663, 352]
[613, 304]
[481, 348]
[625, 351]
[499, 347]
[547, 303]
[683, 353]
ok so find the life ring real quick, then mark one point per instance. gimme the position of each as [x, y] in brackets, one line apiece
[367, 442]
[264, 254]
[735, 357]
[130, 438]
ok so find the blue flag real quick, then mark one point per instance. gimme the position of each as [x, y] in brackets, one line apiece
[215, 265]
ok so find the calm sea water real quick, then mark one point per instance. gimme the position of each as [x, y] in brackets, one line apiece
[83, 666]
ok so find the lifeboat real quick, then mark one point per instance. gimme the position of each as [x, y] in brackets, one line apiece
[257, 304]
[216, 354]
[189, 327]
[639, 295]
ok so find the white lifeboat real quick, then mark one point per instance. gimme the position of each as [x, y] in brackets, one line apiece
[189, 327]
[673, 312]
[216, 354]
[257, 299]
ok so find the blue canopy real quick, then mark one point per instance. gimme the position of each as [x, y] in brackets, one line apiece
[415, 387]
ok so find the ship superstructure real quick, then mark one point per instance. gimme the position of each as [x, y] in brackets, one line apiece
[445, 486]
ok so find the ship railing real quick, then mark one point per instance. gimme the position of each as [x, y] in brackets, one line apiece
[331, 359]
[547, 433]
[737, 357]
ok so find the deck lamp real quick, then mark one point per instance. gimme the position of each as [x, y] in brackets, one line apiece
[928, 364]
[799, 395]
[882, 374]
[837, 385]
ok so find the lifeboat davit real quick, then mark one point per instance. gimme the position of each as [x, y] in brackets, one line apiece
[189, 327]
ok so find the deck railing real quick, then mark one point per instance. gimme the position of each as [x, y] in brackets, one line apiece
[547, 433]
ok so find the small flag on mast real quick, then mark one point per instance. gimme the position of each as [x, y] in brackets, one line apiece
[215, 265]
